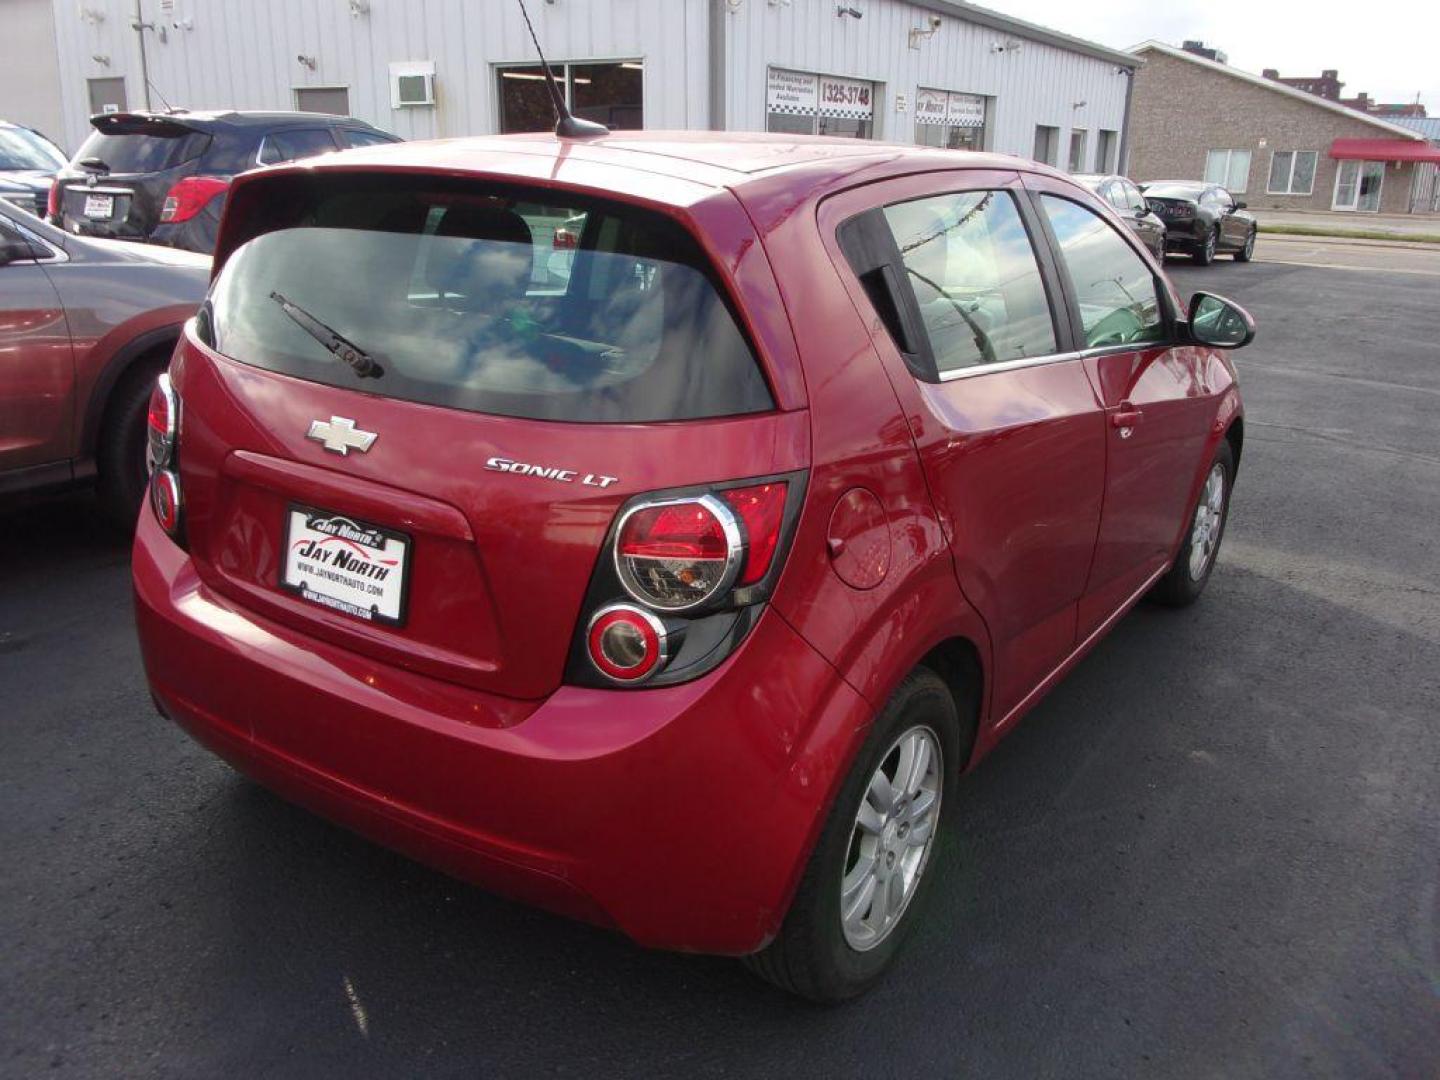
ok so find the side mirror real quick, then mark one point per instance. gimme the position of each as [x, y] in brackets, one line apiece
[1219, 322]
[1240, 205]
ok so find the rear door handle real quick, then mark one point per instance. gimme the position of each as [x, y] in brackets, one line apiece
[1126, 417]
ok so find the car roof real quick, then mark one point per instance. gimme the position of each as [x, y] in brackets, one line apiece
[712, 159]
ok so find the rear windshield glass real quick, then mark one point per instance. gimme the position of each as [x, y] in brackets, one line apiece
[1173, 191]
[514, 303]
[144, 153]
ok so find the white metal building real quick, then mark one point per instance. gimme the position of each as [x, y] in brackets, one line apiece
[930, 71]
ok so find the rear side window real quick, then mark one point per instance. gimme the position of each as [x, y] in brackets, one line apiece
[509, 302]
[360, 137]
[1116, 290]
[281, 146]
[975, 277]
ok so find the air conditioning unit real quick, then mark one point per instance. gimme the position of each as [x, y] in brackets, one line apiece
[412, 83]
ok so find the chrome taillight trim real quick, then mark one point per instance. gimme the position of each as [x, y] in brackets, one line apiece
[168, 479]
[160, 448]
[735, 549]
[650, 619]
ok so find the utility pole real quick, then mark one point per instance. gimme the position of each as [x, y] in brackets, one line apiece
[139, 25]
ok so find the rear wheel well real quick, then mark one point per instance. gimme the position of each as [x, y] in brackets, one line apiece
[957, 662]
[145, 356]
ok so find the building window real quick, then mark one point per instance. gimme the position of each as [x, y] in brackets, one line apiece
[1228, 168]
[799, 103]
[1077, 150]
[949, 120]
[1106, 143]
[334, 100]
[1047, 144]
[106, 95]
[1292, 172]
[608, 93]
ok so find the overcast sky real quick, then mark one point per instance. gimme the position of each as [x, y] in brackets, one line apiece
[1390, 49]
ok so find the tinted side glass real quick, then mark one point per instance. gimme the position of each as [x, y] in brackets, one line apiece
[143, 153]
[975, 277]
[1116, 291]
[359, 137]
[515, 302]
[294, 145]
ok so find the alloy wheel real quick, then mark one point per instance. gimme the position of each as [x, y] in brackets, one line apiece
[891, 838]
[1209, 519]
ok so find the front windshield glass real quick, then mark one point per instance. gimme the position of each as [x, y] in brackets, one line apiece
[23, 150]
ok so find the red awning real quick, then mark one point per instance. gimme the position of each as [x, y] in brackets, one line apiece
[1384, 150]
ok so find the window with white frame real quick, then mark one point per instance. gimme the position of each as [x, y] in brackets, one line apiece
[1228, 168]
[1292, 172]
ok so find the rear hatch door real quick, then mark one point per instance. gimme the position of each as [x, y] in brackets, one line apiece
[119, 178]
[409, 418]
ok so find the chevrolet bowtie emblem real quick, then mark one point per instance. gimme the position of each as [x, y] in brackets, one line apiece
[340, 435]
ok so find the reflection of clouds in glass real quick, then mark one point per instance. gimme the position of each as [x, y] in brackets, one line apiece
[449, 319]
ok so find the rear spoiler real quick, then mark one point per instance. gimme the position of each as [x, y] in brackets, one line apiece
[136, 123]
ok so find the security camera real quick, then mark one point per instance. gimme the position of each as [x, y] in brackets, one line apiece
[935, 22]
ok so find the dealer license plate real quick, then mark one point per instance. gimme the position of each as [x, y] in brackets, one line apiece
[99, 206]
[345, 564]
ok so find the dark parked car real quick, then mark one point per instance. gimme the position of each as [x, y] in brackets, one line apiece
[28, 163]
[633, 590]
[1130, 204]
[162, 177]
[85, 327]
[1202, 219]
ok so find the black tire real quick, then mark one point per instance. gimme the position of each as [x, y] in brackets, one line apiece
[1247, 251]
[810, 957]
[1205, 253]
[120, 450]
[1179, 587]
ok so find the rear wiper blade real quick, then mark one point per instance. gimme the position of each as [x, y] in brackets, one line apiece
[93, 164]
[364, 364]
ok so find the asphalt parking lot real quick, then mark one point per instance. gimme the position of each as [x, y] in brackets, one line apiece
[1213, 851]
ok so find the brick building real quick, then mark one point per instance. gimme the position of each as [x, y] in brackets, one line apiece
[1328, 85]
[1272, 145]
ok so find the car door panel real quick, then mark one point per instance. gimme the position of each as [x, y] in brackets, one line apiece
[37, 369]
[1014, 455]
[1158, 401]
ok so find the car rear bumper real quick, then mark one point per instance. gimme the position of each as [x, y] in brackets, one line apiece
[682, 816]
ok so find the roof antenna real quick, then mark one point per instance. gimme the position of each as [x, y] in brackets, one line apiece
[567, 126]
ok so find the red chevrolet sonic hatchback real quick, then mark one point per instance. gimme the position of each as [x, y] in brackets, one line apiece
[656, 527]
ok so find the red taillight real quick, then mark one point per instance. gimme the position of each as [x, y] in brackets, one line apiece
[189, 196]
[625, 643]
[165, 499]
[676, 555]
[762, 510]
[161, 424]
[565, 240]
[52, 204]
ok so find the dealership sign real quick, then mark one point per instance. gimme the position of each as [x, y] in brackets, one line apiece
[944, 107]
[801, 94]
[792, 92]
